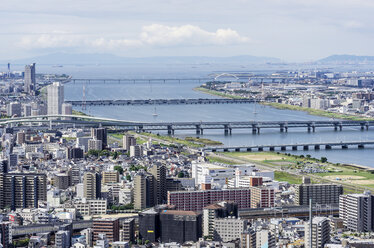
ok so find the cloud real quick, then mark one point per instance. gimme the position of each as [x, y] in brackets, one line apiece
[155, 35]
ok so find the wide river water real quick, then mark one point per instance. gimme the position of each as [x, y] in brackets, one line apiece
[220, 112]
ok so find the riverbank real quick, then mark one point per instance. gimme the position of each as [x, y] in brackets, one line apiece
[316, 112]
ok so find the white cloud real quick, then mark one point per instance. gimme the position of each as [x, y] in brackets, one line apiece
[151, 35]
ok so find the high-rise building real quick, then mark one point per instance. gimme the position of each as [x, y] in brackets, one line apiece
[109, 227]
[320, 232]
[159, 173]
[110, 177]
[62, 239]
[21, 138]
[22, 190]
[144, 190]
[5, 234]
[67, 108]
[215, 211]
[262, 197]
[180, 226]
[94, 144]
[62, 181]
[319, 193]
[128, 140]
[75, 175]
[127, 232]
[248, 239]
[75, 153]
[265, 238]
[29, 78]
[4, 166]
[229, 229]
[92, 185]
[136, 151]
[356, 210]
[149, 225]
[14, 109]
[27, 110]
[100, 134]
[55, 98]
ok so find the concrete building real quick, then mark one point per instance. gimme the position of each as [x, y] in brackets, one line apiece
[62, 181]
[320, 232]
[215, 211]
[110, 177]
[14, 109]
[91, 207]
[136, 151]
[62, 239]
[29, 78]
[159, 174]
[21, 138]
[27, 110]
[248, 239]
[100, 134]
[265, 238]
[144, 190]
[128, 140]
[94, 144]
[92, 185]
[22, 190]
[109, 227]
[319, 193]
[127, 232]
[356, 210]
[67, 109]
[5, 234]
[55, 98]
[211, 173]
[149, 225]
[229, 229]
[262, 197]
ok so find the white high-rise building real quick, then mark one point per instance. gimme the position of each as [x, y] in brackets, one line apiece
[356, 211]
[55, 98]
[320, 232]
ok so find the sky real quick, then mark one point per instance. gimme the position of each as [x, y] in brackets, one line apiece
[293, 30]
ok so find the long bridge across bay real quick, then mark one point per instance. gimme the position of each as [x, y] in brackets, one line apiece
[294, 147]
[198, 126]
[161, 101]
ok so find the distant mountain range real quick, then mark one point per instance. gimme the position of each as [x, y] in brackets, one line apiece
[76, 59]
[351, 59]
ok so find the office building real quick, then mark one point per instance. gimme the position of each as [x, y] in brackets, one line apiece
[62, 181]
[4, 168]
[262, 197]
[75, 153]
[100, 134]
[206, 173]
[356, 210]
[110, 177]
[144, 190]
[109, 227]
[30, 79]
[265, 238]
[92, 185]
[75, 175]
[248, 239]
[67, 109]
[136, 151]
[180, 226]
[197, 200]
[159, 174]
[12, 160]
[128, 140]
[229, 229]
[91, 207]
[22, 190]
[320, 232]
[216, 211]
[94, 144]
[27, 110]
[127, 232]
[88, 233]
[62, 239]
[21, 138]
[55, 98]
[319, 193]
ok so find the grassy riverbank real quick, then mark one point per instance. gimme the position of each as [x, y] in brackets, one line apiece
[217, 93]
[317, 112]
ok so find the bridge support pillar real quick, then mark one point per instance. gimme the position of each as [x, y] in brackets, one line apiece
[201, 131]
[294, 148]
[306, 148]
[316, 147]
[226, 129]
[309, 128]
[281, 128]
[283, 148]
[362, 126]
[170, 130]
[328, 147]
[198, 129]
[258, 130]
[237, 149]
[249, 149]
[271, 148]
[254, 129]
[230, 130]
[286, 129]
[367, 126]
[335, 127]
[344, 146]
[314, 128]
[361, 146]
[340, 127]
[214, 150]
[260, 149]
[225, 150]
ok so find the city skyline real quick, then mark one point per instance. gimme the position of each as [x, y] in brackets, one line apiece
[291, 30]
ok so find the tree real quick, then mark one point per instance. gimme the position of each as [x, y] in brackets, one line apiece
[119, 169]
[180, 174]
[323, 159]
[128, 178]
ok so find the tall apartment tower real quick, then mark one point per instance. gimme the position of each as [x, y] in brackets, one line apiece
[128, 140]
[144, 190]
[159, 174]
[21, 190]
[356, 210]
[100, 134]
[55, 98]
[91, 185]
[320, 232]
[319, 193]
[30, 80]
